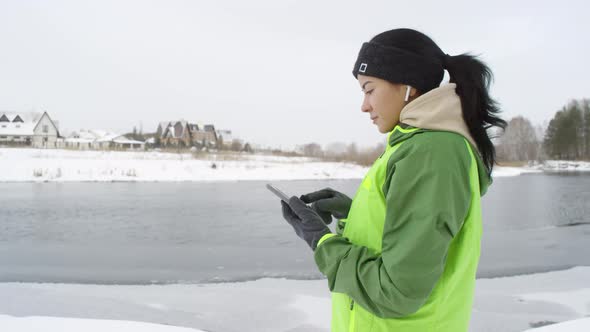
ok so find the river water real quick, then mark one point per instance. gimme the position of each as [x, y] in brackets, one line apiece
[138, 233]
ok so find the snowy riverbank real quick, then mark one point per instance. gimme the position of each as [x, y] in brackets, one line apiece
[564, 166]
[36, 165]
[501, 305]
[32, 165]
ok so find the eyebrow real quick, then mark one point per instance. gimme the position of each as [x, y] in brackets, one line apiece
[367, 82]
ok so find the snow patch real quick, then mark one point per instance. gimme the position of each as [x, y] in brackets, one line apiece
[43, 324]
[37, 165]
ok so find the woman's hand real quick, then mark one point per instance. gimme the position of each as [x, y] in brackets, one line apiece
[307, 223]
[327, 203]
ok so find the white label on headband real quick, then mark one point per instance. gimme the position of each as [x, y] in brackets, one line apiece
[363, 67]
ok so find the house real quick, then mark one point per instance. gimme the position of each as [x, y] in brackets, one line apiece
[205, 136]
[81, 140]
[183, 133]
[174, 133]
[123, 143]
[101, 140]
[29, 129]
[224, 137]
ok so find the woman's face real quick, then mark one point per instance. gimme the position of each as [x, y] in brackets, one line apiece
[383, 101]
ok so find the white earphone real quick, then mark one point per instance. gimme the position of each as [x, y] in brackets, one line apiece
[409, 88]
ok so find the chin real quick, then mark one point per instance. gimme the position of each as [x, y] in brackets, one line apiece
[383, 130]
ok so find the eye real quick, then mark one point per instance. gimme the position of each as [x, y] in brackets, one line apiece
[368, 92]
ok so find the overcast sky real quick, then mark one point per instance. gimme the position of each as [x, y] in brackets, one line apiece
[274, 72]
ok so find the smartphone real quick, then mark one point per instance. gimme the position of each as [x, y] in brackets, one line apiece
[277, 192]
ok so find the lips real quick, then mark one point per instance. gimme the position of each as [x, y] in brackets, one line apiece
[375, 118]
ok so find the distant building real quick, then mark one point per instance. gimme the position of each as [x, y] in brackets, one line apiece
[150, 141]
[174, 133]
[183, 133]
[225, 138]
[100, 140]
[29, 129]
[81, 140]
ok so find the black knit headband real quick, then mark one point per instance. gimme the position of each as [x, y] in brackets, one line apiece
[400, 66]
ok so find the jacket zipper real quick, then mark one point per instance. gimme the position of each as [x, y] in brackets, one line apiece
[351, 325]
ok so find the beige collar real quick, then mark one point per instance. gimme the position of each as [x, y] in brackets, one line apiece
[438, 109]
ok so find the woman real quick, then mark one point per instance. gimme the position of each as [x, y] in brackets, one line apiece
[407, 257]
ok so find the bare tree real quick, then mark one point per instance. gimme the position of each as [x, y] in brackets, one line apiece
[312, 150]
[335, 150]
[540, 131]
[352, 152]
[236, 145]
[519, 141]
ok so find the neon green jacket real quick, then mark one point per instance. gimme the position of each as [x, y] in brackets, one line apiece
[407, 258]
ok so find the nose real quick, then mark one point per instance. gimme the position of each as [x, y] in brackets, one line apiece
[365, 107]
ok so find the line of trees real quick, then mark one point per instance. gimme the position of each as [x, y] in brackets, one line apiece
[568, 133]
[566, 137]
[341, 152]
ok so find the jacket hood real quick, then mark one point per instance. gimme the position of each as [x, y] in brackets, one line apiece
[440, 110]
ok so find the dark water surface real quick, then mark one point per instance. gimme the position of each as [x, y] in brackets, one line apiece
[136, 233]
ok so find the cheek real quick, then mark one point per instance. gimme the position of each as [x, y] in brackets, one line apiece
[389, 110]
[395, 105]
[380, 104]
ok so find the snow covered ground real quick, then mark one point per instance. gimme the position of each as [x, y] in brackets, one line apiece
[501, 305]
[43, 324]
[565, 166]
[38, 165]
[512, 171]
[578, 325]
[24, 165]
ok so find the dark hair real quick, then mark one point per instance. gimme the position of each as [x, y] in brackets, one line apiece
[473, 79]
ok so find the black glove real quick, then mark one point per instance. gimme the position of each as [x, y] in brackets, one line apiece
[307, 223]
[327, 203]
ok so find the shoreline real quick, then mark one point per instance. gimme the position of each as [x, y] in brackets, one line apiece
[72, 166]
[40, 166]
[239, 280]
[510, 304]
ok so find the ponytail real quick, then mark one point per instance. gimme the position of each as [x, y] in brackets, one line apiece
[480, 111]
[409, 57]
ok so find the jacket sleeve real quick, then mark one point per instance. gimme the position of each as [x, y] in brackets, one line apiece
[427, 196]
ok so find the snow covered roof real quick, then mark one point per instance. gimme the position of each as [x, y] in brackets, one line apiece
[8, 125]
[78, 140]
[81, 134]
[168, 126]
[108, 137]
[99, 136]
[225, 135]
[164, 125]
[184, 124]
[125, 140]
